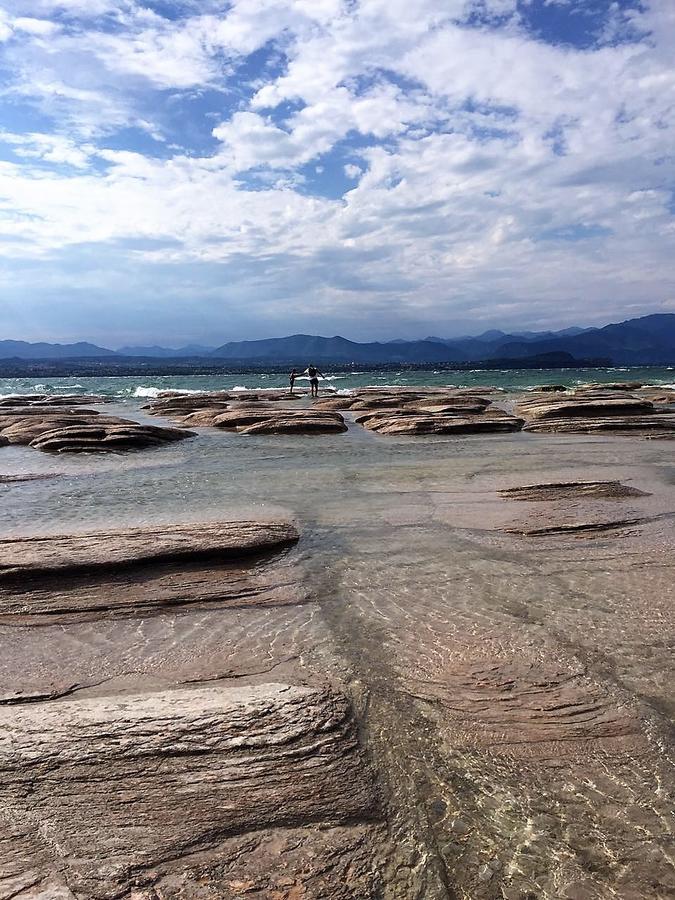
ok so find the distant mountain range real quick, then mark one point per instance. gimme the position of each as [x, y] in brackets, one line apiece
[190, 351]
[649, 340]
[24, 350]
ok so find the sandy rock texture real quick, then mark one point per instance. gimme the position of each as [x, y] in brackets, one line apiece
[418, 412]
[51, 400]
[572, 490]
[59, 429]
[108, 788]
[128, 547]
[595, 409]
[159, 736]
[248, 413]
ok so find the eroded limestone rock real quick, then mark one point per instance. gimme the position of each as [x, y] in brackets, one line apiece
[106, 437]
[594, 409]
[107, 550]
[51, 399]
[531, 712]
[572, 490]
[112, 793]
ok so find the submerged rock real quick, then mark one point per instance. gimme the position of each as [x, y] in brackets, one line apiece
[572, 490]
[578, 527]
[533, 712]
[51, 400]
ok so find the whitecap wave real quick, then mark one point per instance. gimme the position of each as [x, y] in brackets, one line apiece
[153, 392]
[322, 377]
[239, 387]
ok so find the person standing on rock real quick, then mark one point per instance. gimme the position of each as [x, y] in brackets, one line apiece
[292, 377]
[314, 376]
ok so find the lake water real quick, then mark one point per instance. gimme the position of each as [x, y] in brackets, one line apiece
[146, 386]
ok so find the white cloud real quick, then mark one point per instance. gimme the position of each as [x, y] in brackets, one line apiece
[477, 155]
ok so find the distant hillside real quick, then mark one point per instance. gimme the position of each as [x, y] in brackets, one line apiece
[302, 349]
[191, 351]
[649, 340]
[24, 350]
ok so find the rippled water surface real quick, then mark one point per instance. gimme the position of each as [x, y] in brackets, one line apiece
[431, 602]
[147, 386]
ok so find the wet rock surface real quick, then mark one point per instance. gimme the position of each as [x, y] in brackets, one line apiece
[59, 429]
[410, 412]
[176, 755]
[443, 422]
[20, 479]
[572, 490]
[110, 788]
[107, 550]
[51, 400]
[595, 409]
[280, 421]
[248, 413]
[106, 436]
[531, 711]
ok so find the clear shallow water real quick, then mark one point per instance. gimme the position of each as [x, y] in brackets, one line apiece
[416, 583]
[147, 386]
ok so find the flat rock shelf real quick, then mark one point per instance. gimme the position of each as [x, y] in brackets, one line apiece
[122, 766]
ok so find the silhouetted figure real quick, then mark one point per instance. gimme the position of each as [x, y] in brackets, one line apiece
[292, 377]
[314, 376]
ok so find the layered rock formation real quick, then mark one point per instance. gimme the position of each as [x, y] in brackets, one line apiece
[106, 792]
[174, 403]
[251, 415]
[572, 490]
[60, 429]
[142, 768]
[107, 550]
[594, 410]
[24, 400]
[419, 412]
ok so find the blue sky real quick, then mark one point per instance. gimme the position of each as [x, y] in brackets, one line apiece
[203, 171]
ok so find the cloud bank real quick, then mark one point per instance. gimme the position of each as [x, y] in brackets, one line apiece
[193, 170]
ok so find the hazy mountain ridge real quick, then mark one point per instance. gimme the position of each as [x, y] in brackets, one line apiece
[26, 350]
[648, 340]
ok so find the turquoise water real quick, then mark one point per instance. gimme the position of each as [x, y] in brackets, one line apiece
[143, 386]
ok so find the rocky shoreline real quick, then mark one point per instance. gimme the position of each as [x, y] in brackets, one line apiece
[442, 676]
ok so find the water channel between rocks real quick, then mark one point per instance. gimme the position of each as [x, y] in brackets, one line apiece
[514, 692]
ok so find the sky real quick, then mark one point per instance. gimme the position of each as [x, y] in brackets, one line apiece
[180, 171]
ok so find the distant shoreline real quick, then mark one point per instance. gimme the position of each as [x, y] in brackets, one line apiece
[97, 367]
